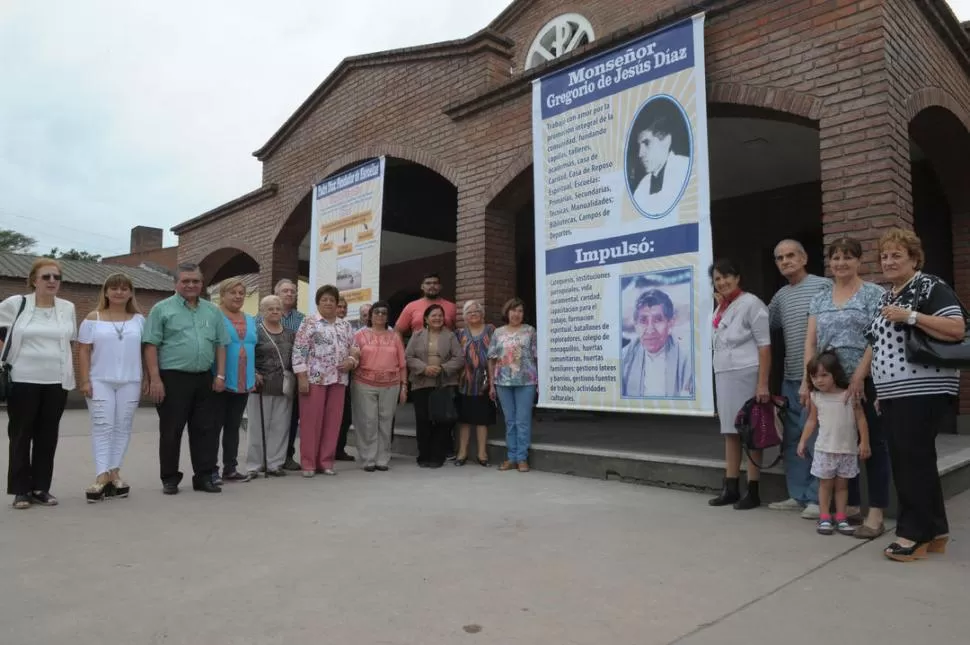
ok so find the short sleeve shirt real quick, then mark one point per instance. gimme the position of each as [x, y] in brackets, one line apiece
[411, 319]
[842, 328]
[515, 355]
[186, 337]
[892, 374]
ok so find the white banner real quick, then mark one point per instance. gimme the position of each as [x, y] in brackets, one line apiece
[345, 235]
[623, 230]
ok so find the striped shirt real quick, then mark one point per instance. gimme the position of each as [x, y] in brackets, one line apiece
[291, 321]
[788, 311]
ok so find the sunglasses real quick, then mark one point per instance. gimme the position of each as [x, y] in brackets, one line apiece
[47, 277]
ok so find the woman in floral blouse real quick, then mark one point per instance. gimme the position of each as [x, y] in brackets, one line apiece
[512, 366]
[324, 353]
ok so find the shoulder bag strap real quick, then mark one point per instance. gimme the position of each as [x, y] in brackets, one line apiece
[275, 346]
[6, 343]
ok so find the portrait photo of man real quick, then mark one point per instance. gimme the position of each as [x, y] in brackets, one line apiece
[654, 364]
[658, 157]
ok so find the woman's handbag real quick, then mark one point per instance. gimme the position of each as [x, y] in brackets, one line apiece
[5, 382]
[923, 349]
[759, 426]
[441, 404]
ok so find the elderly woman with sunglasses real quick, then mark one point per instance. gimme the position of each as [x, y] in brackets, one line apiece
[39, 328]
[380, 384]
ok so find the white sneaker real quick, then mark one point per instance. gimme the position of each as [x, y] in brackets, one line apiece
[787, 505]
[811, 512]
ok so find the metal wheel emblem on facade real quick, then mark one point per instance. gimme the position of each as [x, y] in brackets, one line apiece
[559, 36]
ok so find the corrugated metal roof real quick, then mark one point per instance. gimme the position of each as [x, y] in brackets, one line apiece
[17, 265]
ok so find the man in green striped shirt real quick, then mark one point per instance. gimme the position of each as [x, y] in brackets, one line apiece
[184, 336]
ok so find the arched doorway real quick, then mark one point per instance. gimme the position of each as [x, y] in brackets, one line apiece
[418, 230]
[939, 165]
[227, 262]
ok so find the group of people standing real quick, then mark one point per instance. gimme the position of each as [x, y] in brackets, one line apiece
[205, 366]
[852, 391]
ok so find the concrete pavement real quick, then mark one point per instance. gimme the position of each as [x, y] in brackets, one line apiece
[449, 556]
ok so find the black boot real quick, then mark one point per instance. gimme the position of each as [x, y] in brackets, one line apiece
[730, 493]
[751, 499]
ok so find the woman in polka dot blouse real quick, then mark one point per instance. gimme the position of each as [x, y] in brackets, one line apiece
[915, 399]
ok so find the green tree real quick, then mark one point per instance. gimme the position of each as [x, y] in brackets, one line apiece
[74, 254]
[14, 241]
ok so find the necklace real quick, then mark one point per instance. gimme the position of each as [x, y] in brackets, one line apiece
[119, 331]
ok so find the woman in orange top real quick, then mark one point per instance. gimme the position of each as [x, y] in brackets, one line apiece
[380, 384]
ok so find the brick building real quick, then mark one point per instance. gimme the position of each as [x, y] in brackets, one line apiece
[82, 284]
[826, 117]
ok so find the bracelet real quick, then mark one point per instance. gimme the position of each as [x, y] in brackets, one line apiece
[220, 377]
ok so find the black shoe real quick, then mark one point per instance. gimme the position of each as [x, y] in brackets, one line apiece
[22, 501]
[170, 488]
[729, 493]
[461, 462]
[344, 457]
[205, 486]
[751, 499]
[43, 498]
[369, 469]
[435, 465]
[423, 464]
[291, 464]
[382, 469]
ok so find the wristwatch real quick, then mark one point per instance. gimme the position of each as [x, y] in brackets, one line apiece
[912, 318]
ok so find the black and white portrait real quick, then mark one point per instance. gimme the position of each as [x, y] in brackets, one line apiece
[658, 156]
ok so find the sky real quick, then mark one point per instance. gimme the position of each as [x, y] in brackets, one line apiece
[115, 114]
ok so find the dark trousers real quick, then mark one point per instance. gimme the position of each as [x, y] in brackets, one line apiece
[912, 423]
[433, 438]
[877, 467]
[189, 399]
[294, 428]
[230, 407]
[34, 413]
[344, 425]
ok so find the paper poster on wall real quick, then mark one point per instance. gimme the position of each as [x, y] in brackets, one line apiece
[345, 236]
[623, 232]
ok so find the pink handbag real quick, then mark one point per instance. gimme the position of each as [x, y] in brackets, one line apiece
[760, 427]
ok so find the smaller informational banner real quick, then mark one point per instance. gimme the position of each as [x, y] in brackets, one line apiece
[345, 235]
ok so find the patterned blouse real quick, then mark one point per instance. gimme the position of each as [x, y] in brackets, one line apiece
[893, 375]
[474, 380]
[320, 347]
[515, 356]
[842, 329]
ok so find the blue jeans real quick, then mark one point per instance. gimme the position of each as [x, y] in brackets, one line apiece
[802, 487]
[517, 404]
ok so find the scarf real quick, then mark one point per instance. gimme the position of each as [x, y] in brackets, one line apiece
[725, 303]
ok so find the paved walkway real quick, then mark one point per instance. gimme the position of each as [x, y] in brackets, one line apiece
[458, 555]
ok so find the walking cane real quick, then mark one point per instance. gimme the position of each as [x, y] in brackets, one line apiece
[262, 432]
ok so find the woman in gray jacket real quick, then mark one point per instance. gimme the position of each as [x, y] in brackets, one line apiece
[434, 359]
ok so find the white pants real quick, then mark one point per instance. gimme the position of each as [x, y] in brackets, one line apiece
[112, 407]
[276, 414]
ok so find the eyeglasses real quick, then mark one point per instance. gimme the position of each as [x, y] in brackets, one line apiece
[47, 277]
[378, 312]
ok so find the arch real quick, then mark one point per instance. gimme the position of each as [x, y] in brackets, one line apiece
[787, 101]
[235, 258]
[928, 97]
[520, 164]
[381, 149]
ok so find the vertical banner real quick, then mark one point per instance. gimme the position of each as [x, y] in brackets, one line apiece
[623, 229]
[345, 234]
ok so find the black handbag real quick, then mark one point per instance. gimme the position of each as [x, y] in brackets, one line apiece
[923, 349]
[441, 404]
[5, 382]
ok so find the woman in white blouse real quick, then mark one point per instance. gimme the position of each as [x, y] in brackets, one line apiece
[110, 368]
[39, 329]
[742, 363]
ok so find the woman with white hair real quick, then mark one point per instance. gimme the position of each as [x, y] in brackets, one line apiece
[475, 407]
[272, 404]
